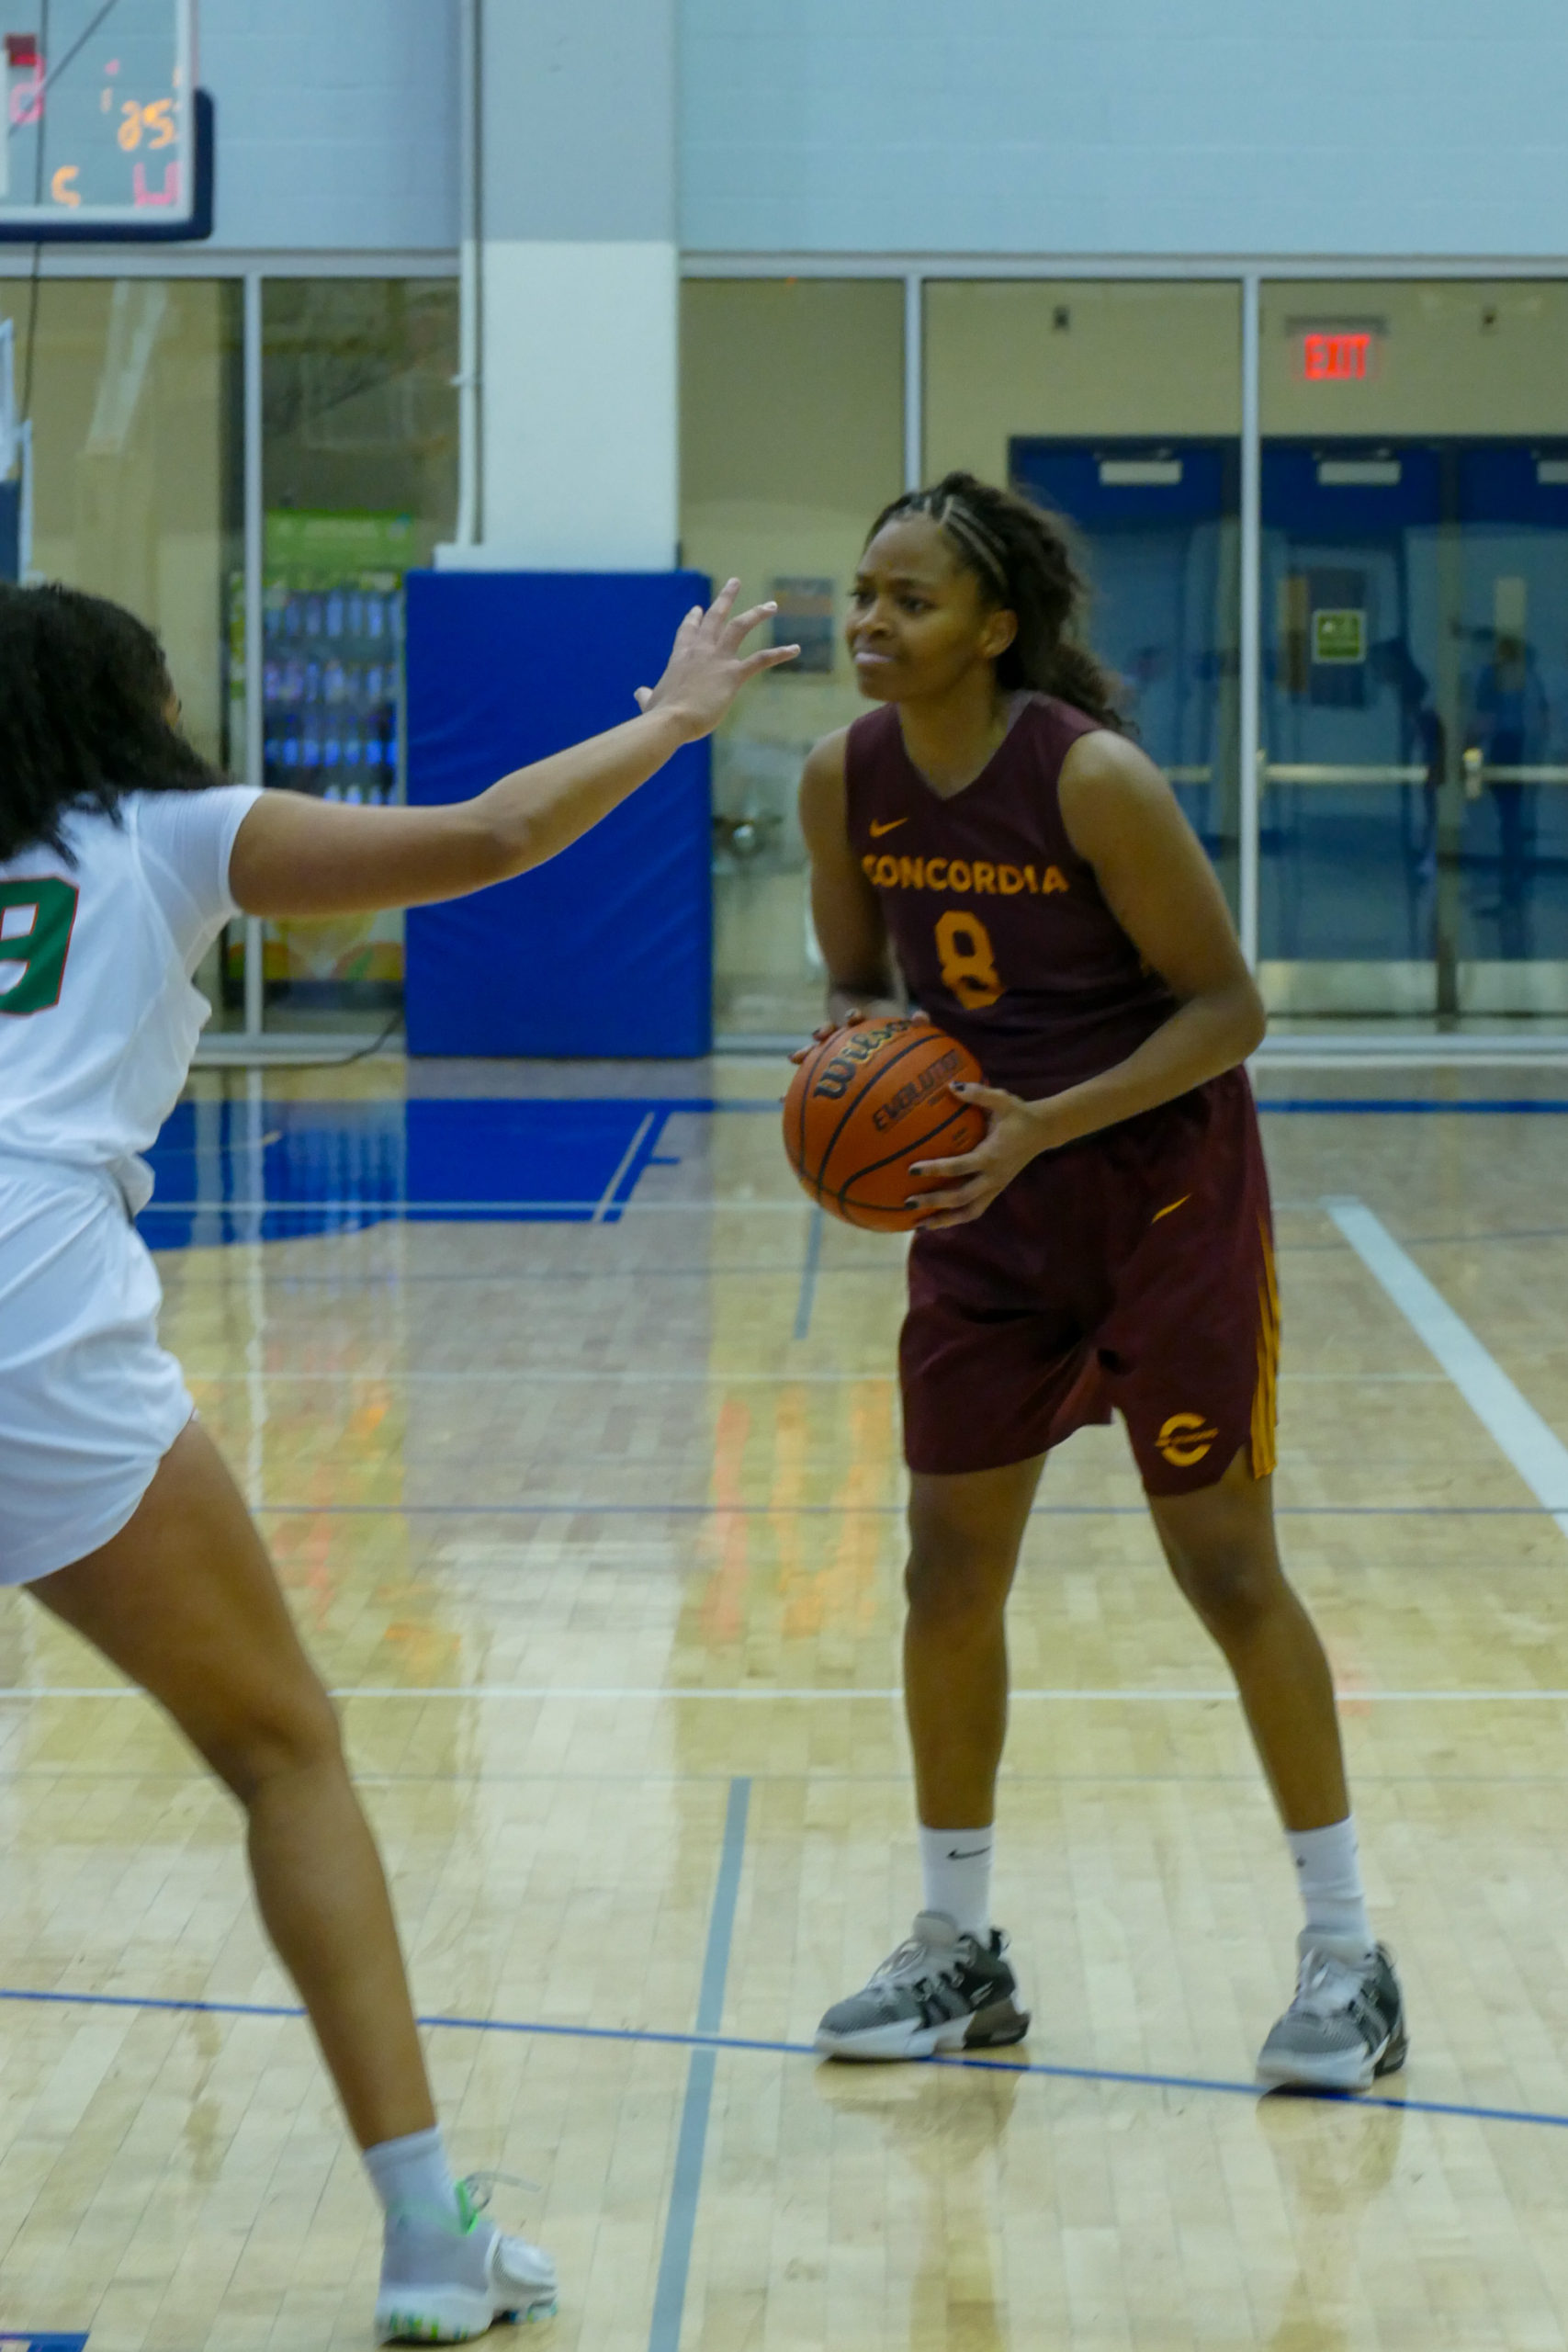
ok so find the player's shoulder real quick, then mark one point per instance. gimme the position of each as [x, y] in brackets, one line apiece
[827, 755]
[823, 791]
[1102, 760]
[1110, 790]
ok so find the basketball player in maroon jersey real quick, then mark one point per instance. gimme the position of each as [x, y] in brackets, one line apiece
[990, 834]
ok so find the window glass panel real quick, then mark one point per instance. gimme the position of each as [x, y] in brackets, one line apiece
[133, 387]
[359, 482]
[791, 440]
[1118, 405]
[1415, 800]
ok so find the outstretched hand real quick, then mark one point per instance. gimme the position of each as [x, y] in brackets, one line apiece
[707, 668]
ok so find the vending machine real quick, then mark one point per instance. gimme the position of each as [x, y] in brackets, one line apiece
[331, 699]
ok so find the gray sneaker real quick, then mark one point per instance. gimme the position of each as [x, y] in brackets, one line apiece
[444, 2282]
[1345, 2028]
[939, 1991]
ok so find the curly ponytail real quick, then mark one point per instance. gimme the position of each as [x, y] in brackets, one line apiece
[83, 716]
[1022, 558]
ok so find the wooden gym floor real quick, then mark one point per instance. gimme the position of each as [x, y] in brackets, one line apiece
[595, 1526]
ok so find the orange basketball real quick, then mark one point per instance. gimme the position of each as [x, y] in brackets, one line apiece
[864, 1104]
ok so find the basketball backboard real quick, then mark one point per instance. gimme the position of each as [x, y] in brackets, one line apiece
[102, 132]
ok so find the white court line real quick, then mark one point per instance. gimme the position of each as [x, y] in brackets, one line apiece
[612, 1694]
[1534, 1448]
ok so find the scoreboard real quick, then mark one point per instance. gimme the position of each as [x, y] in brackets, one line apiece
[103, 133]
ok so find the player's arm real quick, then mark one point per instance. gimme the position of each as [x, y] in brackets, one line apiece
[845, 913]
[294, 855]
[1122, 818]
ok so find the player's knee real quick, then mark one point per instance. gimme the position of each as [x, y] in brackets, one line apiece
[1232, 1586]
[266, 1737]
[955, 1584]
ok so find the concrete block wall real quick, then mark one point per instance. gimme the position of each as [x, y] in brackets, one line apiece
[1396, 126]
[1400, 128]
[337, 123]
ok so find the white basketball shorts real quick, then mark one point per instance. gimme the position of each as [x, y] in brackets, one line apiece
[89, 1402]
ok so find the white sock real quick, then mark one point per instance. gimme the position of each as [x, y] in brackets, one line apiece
[1330, 1874]
[412, 2175]
[956, 1864]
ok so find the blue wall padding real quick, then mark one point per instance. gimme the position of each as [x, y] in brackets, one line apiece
[606, 951]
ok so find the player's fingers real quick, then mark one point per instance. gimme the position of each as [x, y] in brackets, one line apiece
[740, 626]
[953, 1217]
[770, 657]
[818, 1037]
[959, 1198]
[717, 613]
[988, 1098]
[967, 1163]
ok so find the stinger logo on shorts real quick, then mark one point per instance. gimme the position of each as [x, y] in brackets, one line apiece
[1185, 1438]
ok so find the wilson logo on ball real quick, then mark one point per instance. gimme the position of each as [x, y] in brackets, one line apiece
[864, 1104]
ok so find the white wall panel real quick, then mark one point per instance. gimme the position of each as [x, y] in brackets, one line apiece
[578, 426]
[337, 123]
[1354, 127]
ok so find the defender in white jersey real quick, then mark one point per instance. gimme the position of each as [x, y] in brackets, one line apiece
[120, 858]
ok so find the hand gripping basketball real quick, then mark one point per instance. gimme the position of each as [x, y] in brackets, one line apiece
[865, 1100]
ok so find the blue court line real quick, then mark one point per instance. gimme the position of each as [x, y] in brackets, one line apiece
[700, 2042]
[1386, 1105]
[854, 1511]
[675, 2258]
[808, 1273]
[45, 2343]
[1389, 1104]
[1501, 1106]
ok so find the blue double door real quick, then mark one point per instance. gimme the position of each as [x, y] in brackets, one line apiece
[1413, 771]
[1157, 525]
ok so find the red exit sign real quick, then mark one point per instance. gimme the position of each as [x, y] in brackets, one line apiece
[1337, 354]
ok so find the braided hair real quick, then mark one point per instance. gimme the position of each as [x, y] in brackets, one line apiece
[1022, 558]
[84, 715]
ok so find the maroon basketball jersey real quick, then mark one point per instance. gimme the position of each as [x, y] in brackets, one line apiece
[996, 922]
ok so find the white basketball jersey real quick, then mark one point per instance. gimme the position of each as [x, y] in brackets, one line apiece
[98, 1017]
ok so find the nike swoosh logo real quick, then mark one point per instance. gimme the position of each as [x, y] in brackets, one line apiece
[966, 1853]
[891, 826]
[1169, 1206]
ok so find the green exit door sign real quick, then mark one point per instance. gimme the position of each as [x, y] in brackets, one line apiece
[1339, 637]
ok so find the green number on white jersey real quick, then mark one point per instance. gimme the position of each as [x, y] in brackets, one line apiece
[36, 920]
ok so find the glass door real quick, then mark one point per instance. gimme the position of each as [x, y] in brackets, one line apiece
[1158, 525]
[1512, 633]
[1359, 703]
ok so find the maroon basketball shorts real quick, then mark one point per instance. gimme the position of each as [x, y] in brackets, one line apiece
[1133, 1272]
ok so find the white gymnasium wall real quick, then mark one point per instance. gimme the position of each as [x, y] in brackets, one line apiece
[579, 448]
[1356, 127]
[337, 123]
[1351, 127]
[579, 425]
